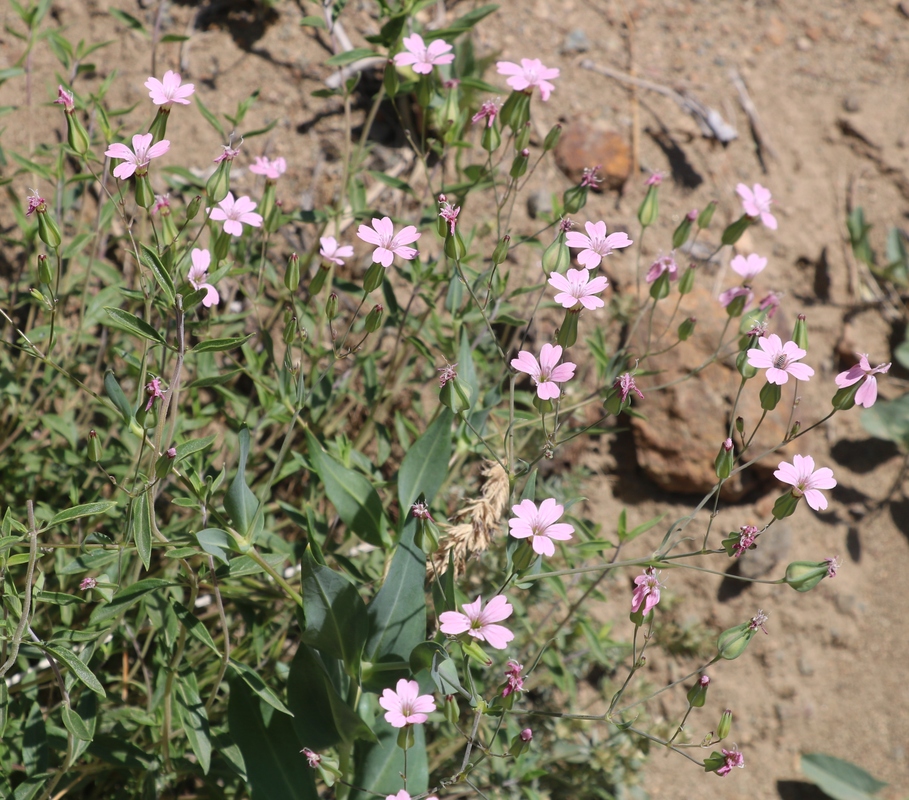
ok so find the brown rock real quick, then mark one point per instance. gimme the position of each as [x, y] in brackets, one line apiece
[776, 31]
[686, 423]
[586, 144]
[872, 19]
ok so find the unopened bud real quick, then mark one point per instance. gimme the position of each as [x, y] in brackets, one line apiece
[706, 216]
[800, 332]
[193, 208]
[331, 306]
[682, 232]
[724, 460]
[557, 256]
[697, 694]
[521, 742]
[770, 395]
[515, 111]
[735, 230]
[450, 709]
[519, 165]
[794, 430]
[522, 139]
[552, 138]
[290, 331]
[292, 273]
[740, 425]
[390, 79]
[474, 651]
[650, 206]
[94, 447]
[374, 318]
[725, 725]
[45, 270]
[48, 230]
[687, 328]
[501, 252]
[373, 278]
[686, 282]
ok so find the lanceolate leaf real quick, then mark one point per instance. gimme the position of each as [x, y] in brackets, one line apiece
[240, 503]
[87, 510]
[141, 527]
[125, 598]
[194, 718]
[133, 324]
[77, 666]
[150, 259]
[251, 678]
[839, 779]
[425, 466]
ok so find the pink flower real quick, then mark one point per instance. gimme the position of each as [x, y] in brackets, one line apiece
[138, 160]
[420, 511]
[867, 393]
[780, 360]
[449, 213]
[479, 622]
[655, 179]
[626, 385]
[403, 795]
[805, 480]
[578, 288]
[448, 373]
[235, 213]
[65, 99]
[833, 564]
[596, 244]
[770, 304]
[526, 735]
[487, 111]
[169, 91]
[198, 273]
[330, 250]
[421, 57]
[736, 291]
[646, 591]
[661, 265]
[530, 73]
[228, 153]
[540, 525]
[733, 759]
[513, 680]
[382, 234]
[758, 621]
[589, 177]
[312, 757]
[546, 372]
[272, 170]
[162, 201]
[88, 583]
[406, 706]
[747, 535]
[154, 391]
[35, 203]
[748, 267]
[756, 203]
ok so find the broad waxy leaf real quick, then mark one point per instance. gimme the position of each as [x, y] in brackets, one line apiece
[378, 767]
[839, 779]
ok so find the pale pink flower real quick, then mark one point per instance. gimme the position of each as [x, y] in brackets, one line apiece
[198, 275]
[748, 267]
[546, 372]
[488, 111]
[403, 795]
[577, 287]
[330, 250]
[663, 264]
[421, 57]
[448, 373]
[35, 203]
[228, 153]
[162, 201]
[513, 680]
[145, 151]
[737, 291]
[833, 564]
[867, 393]
[805, 480]
[747, 535]
[235, 213]
[646, 591]
[65, 99]
[733, 759]
[312, 757]
[756, 203]
[154, 391]
[770, 304]
[596, 244]
[541, 525]
[530, 73]
[589, 177]
[272, 170]
[526, 735]
[758, 621]
[388, 245]
[168, 91]
[655, 179]
[479, 622]
[406, 706]
[420, 511]
[780, 360]
[449, 213]
[88, 583]
[758, 328]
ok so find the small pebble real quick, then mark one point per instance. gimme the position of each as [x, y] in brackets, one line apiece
[851, 103]
[576, 42]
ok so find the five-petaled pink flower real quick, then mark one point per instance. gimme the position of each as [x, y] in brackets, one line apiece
[401, 795]
[646, 591]
[733, 759]
[663, 264]
[145, 151]
[235, 213]
[330, 250]
[748, 267]
[596, 244]
[272, 170]
[756, 203]
[422, 58]
[541, 525]
[577, 287]
[547, 372]
[406, 706]
[780, 360]
[382, 234]
[528, 74]
[198, 277]
[479, 622]
[806, 480]
[487, 111]
[168, 91]
[737, 291]
[770, 304]
[867, 393]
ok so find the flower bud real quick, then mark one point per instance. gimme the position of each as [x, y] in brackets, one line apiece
[697, 694]
[193, 208]
[552, 138]
[427, 536]
[522, 138]
[805, 575]
[686, 282]
[373, 278]
[725, 725]
[800, 332]
[515, 111]
[163, 466]
[567, 333]
[660, 287]
[794, 430]
[290, 331]
[733, 641]
[94, 447]
[682, 232]
[557, 256]
[735, 230]
[687, 328]
[575, 199]
[331, 306]
[844, 399]
[785, 505]
[474, 651]
[745, 369]
[374, 318]
[406, 737]
[501, 252]
[47, 229]
[451, 709]
[219, 183]
[650, 206]
[76, 135]
[519, 165]
[318, 280]
[45, 270]
[521, 742]
[491, 138]
[770, 395]
[390, 79]
[292, 273]
[145, 195]
[706, 216]
[455, 248]
[724, 460]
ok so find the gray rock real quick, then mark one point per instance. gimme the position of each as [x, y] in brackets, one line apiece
[576, 42]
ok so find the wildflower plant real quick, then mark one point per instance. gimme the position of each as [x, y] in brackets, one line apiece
[243, 558]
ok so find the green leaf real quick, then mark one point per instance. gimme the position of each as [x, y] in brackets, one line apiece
[425, 465]
[173, 37]
[76, 725]
[901, 353]
[251, 678]
[313, 22]
[34, 742]
[275, 769]
[216, 543]
[132, 324]
[378, 767]
[461, 24]
[10, 72]
[889, 420]
[125, 598]
[839, 779]
[342, 59]
[321, 717]
[194, 627]
[217, 345]
[141, 527]
[77, 667]
[393, 182]
[129, 20]
[149, 257]
[397, 614]
[194, 718]
[77, 512]
[210, 118]
[193, 446]
[115, 393]
[336, 618]
[356, 501]
[240, 503]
